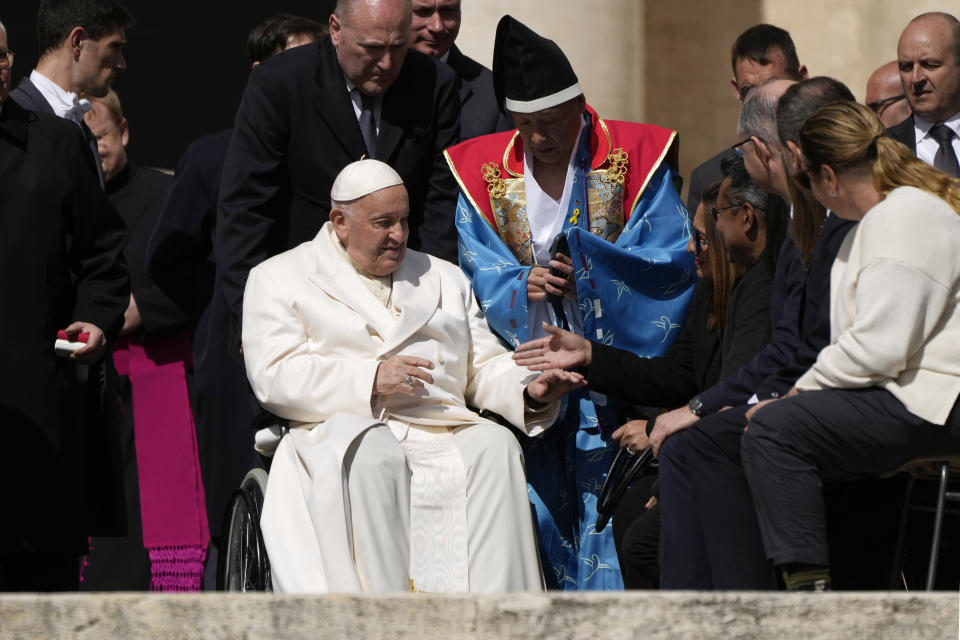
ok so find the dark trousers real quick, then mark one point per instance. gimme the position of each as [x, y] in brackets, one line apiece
[794, 445]
[710, 538]
[636, 534]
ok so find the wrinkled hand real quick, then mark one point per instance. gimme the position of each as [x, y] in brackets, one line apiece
[668, 424]
[554, 383]
[132, 321]
[536, 284]
[632, 436]
[392, 375]
[561, 285]
[559, 349]
[96, 345]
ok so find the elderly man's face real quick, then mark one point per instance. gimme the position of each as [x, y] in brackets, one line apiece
[550, 134]
[374, 229]
[112, 138]
[100, 61]
[371, 41]
[435, 26]
[6, 62]
[929, 70]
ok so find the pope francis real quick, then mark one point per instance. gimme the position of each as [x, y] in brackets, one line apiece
[380, 358]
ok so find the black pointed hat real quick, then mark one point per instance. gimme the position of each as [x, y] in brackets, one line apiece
[530, 72]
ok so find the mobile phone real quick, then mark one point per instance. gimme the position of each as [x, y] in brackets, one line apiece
[559, 245]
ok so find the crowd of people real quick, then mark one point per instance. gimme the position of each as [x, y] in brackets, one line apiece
[464, 292]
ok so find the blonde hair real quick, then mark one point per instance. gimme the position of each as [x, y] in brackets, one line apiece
[112, 102]
[847, 135]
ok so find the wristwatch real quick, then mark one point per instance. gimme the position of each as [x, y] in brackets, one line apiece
[695, 406]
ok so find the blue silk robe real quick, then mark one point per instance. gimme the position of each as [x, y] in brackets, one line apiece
[634, 283]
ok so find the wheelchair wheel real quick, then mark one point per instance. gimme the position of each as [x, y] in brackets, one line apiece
[243, 563]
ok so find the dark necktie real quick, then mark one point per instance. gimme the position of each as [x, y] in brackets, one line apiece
[946, 159]
[368, 126]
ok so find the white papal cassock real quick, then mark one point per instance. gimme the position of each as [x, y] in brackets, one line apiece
[315, 328]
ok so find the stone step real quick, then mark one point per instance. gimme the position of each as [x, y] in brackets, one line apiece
[646, 615]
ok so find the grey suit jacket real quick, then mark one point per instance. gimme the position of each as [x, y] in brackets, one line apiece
[29, 97]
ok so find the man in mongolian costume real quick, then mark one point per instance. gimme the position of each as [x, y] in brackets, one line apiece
[625, 279]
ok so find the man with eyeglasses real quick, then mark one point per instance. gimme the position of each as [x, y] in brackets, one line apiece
[760, 53]
[885, 95]
[60, 253]
[928, 57]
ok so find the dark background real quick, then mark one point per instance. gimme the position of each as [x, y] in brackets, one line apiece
[187, 66]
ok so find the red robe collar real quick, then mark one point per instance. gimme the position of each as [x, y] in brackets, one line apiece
[646, 145]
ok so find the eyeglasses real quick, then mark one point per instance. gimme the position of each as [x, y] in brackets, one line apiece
[700, 243]
[877, 106]
[6, 56]
[715, 212]
[739, 146]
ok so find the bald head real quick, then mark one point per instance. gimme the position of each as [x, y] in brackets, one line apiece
[885, 95]
[928, 58]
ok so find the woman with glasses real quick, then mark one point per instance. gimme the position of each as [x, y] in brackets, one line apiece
[692, 364]
[885, 390]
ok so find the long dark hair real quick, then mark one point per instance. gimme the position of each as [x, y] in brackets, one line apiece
[724, 272]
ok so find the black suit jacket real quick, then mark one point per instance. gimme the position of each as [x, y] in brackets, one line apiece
[138, 194]
[690, 365]
[904, 133]
[479, 113]
[296, 129]
[814, 327]
[60, 260]
[180, 261]
[29, 97]
[179, 256]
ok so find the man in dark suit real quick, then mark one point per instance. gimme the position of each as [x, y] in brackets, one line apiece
[60, 256]
[433, 31]
[928, 55]
[762, 52]
[180, 258]
[81, 52]
[309, 112]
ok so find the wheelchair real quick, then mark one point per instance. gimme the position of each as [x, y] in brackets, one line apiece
[243, 564]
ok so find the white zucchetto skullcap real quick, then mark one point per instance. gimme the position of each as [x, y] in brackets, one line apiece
[362, 178]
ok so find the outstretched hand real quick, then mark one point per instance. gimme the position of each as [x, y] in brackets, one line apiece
[402, 374]
[559, 349]
[553, 384]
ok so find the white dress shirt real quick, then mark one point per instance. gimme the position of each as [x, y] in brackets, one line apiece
[65, 104]
[927, 146]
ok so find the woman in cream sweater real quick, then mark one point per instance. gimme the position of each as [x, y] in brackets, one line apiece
[885, 390]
